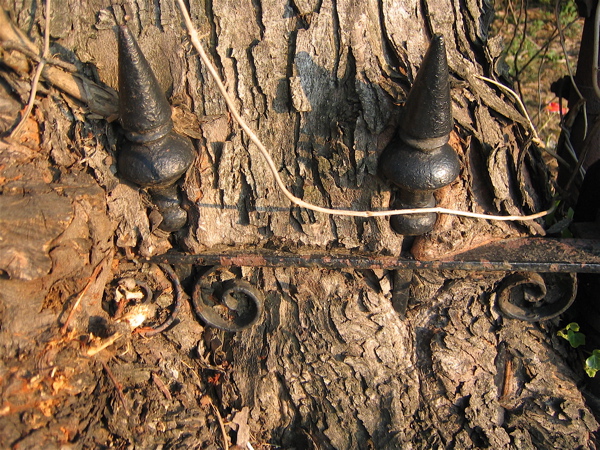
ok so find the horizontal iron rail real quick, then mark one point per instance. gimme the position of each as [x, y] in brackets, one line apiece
[516, 254]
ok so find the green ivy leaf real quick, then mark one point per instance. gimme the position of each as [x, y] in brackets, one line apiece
[592, 364]
[575, 339]
[574, 326]
[571, 334]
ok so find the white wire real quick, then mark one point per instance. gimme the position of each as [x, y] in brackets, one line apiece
[298, 201]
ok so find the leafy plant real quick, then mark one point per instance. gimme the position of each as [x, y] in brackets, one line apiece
[592, 364]
[571, 333]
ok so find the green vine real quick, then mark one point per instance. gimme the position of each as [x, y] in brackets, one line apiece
[571, 333]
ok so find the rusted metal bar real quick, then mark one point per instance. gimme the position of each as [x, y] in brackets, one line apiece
[517, 254]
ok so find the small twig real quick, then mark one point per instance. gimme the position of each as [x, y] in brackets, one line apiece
[517, 22]
[117, 386]
[523, 33]
[221, 425]
[539, 89]
[38, 74]
[8, 45]
[544, 48]
[161, 386]
[93, 277]
[194, 38]
[93, 351]
[536, 139]
[571, 76]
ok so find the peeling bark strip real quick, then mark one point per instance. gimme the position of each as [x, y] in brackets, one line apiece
[331, 365]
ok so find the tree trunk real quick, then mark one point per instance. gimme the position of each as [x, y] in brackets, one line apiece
[331, 364]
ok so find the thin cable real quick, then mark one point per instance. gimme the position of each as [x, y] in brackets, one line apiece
[298, 201]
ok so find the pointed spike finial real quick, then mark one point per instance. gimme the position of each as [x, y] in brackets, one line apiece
[143, 107]
[428, 109]
[152, 155]
[419, 160]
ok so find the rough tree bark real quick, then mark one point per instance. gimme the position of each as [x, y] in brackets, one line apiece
[331, 364]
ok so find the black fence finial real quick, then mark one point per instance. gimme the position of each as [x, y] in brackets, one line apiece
[419, 160]
[152, 155]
